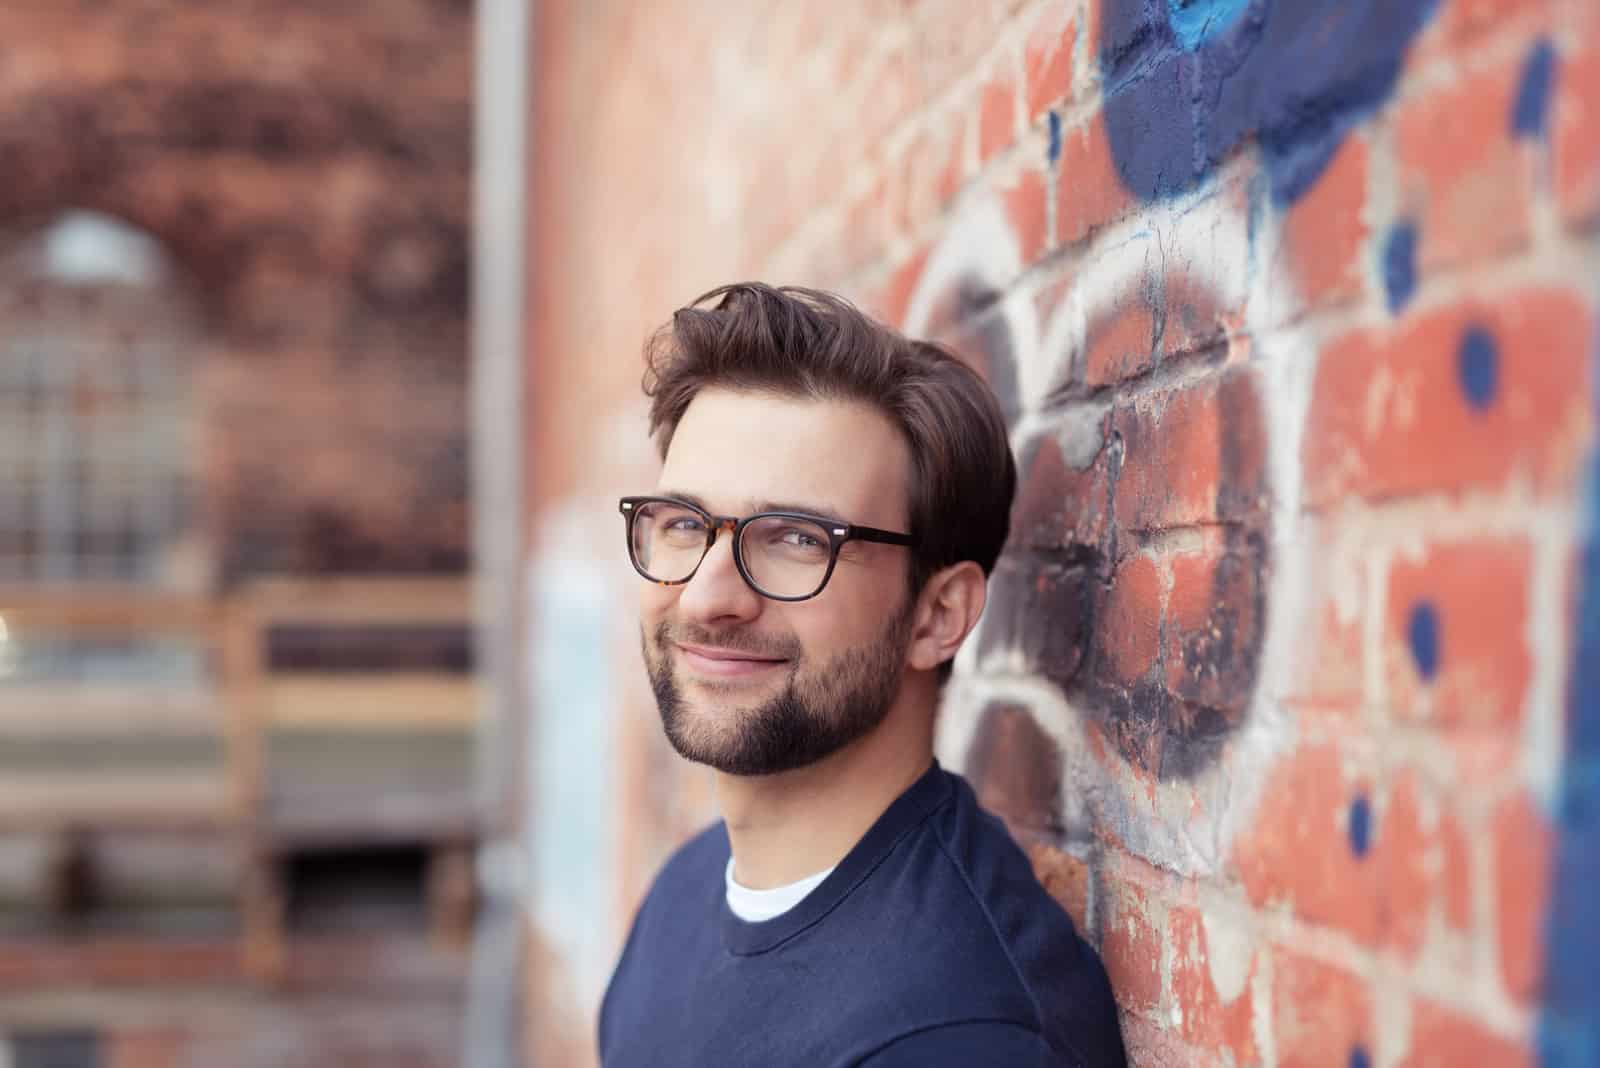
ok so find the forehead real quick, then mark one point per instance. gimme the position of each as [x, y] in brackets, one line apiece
[740, 451]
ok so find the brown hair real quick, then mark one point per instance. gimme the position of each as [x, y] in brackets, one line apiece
[808, 343]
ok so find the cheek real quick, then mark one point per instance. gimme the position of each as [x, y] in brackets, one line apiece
[655, 601]
[831, 624]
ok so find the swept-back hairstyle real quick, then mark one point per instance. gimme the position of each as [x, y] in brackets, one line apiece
[808, 343]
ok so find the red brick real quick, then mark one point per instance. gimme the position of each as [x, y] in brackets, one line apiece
[1194, 454]
[1476, 594]
[1320, 1012]
[869, 225]
[1523, 844]
[1425, 869]
[1575, 132]
[890, 301]
[1463, 23]
[1130, 945]
[1212, 1019]
[1193, 319]
[1015, 769]
[1089, 194]
[1026, 197]
[1328, 665]
[107, 962]
[997, 114]
[1213, 622]
[145, 1049]
[1065, 878]
[1151, 1043]
[1047, 62]
[930, 171]
[1461, 172]
[1299, 854]
[1444, 1038]
[1381, 392]
[1058, 504]
[1121, 342]
[1326, 231]
[1133, 618]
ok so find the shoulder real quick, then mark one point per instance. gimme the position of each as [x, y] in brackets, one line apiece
[691, 867]
[1061, 975]
[689, 884]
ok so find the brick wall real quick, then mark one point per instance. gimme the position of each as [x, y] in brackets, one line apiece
[1292, 308]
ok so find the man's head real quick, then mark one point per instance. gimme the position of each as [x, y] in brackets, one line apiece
[791, 401]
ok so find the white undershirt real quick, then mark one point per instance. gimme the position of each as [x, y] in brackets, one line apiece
[754, 906]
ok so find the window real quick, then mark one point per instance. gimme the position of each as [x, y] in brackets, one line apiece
[97, 439]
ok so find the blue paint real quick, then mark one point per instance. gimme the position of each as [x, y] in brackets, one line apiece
[1530, 113]
[1194, 22]
[1359, 1058]
[1400, 265]
[1478, 367]
[1423, 634]
[1190, 81]
[1360, 826]
[1569, 1026]
[1054, 150]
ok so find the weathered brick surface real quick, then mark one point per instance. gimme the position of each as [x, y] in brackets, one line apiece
[1293, 309]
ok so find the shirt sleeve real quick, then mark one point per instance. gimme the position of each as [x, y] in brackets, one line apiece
[975, 1044]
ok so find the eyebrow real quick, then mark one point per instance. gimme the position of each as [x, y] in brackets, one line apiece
[807, 508]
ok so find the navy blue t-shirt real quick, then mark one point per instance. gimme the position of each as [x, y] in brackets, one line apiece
[930, 944]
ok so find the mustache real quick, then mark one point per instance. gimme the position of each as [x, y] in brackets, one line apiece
[735, 638]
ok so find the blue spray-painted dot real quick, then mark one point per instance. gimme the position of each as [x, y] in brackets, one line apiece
[1054, 151]
[1360, 826]
[1400, 264]
[1359, 1058]
[1532, 108]
[1478, 367]
[1423, 633]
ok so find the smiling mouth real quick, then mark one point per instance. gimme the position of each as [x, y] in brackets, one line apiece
[726, 663]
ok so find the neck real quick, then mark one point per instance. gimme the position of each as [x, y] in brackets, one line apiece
[787, 826]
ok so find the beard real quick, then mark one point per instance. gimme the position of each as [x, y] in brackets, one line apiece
[821, 709]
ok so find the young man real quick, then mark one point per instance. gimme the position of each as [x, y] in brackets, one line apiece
[832, 499]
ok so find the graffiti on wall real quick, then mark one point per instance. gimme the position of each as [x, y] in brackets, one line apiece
[1162, 643]
[1189, 81]
[1127, 681]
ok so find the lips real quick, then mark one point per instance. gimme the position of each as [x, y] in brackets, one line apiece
[726, 663]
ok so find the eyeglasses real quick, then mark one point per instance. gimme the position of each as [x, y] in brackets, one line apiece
[787, 556]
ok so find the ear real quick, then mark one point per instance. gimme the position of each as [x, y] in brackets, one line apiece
[947, 610]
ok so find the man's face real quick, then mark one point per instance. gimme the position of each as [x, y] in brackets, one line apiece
[753, 686]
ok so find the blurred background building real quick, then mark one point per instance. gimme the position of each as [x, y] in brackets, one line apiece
[238, 692]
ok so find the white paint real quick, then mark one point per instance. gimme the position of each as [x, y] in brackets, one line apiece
[1228, 952]
[1546, 631]
[571, 593]
[1205, 242]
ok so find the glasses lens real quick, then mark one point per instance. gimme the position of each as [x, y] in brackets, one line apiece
[668, 540]
[785, 557]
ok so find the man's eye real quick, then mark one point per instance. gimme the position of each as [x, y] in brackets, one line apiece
[688, 525]
[803, 539]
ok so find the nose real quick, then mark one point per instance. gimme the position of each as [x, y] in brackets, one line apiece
[718, 593]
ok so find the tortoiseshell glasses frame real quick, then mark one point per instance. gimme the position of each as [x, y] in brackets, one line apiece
[790, 554]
